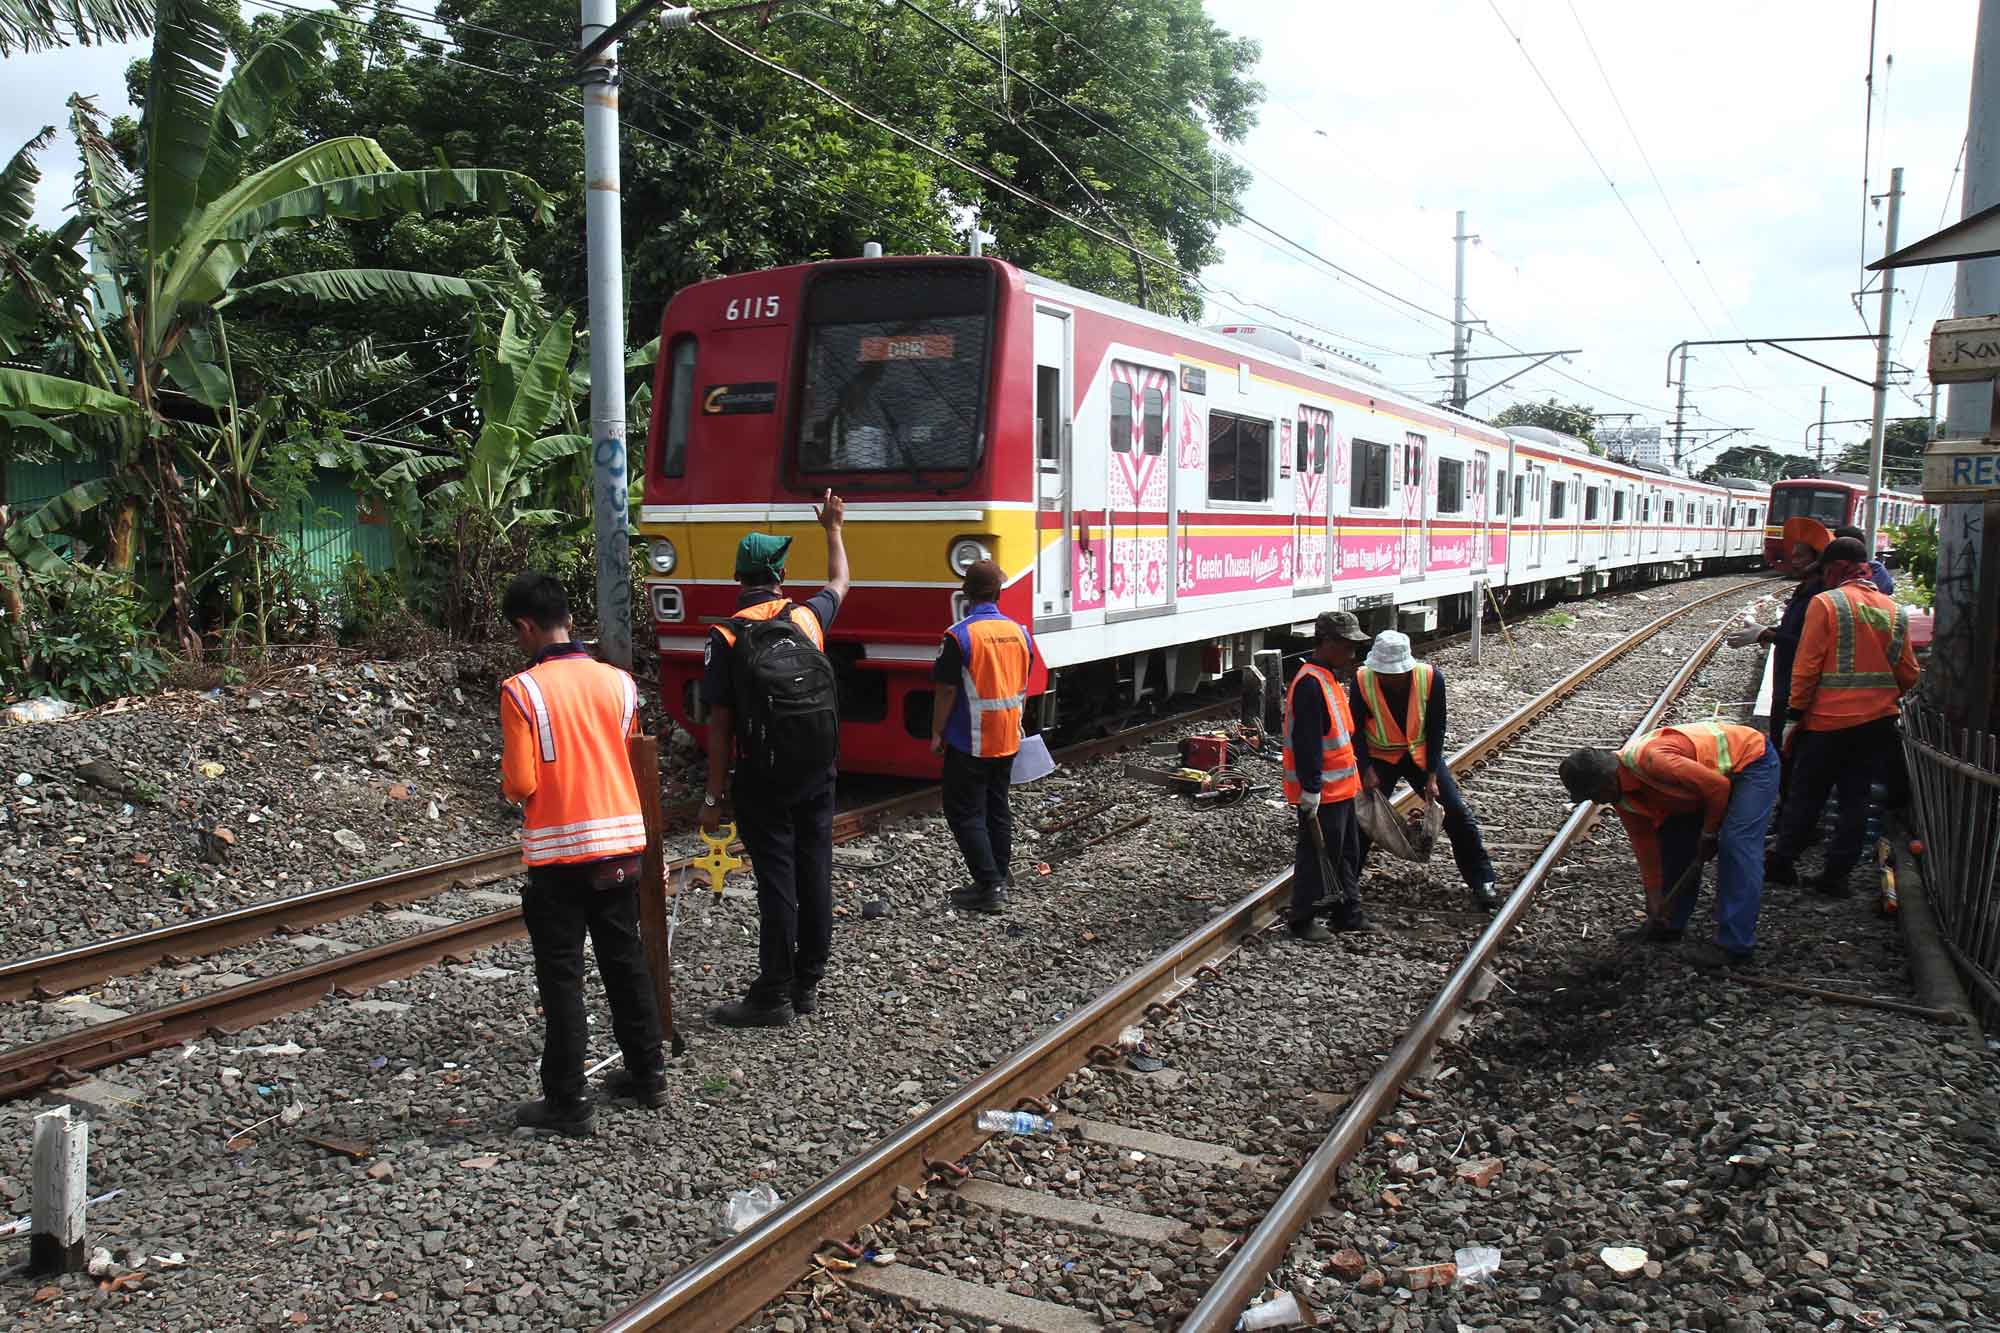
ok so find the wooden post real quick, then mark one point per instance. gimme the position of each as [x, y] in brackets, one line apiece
[645, 757]
[61, 1147]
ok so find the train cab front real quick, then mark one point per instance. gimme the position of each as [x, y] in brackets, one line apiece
[876, 379]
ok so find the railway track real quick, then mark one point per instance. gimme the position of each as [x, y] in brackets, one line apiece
[910, 1185]
[69, 1056]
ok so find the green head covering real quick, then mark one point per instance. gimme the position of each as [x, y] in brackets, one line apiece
[760, 559]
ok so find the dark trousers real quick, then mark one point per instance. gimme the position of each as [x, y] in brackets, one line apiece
[1467, 847]
[558, 907]
[1844, 763]
[1309, 887]
[791, 849]
[976, 807]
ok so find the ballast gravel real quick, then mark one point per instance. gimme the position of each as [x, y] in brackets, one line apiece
[429, 1211]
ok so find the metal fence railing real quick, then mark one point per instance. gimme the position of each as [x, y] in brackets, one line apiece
[1955, 786]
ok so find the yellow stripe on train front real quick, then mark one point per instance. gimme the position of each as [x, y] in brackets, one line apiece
[877, 551]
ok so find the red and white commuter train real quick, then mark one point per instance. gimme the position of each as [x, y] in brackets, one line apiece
[1164, 499]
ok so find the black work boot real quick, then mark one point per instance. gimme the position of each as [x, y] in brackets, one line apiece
[1309, 930]
[1350, 920]
[649, 1090]
[575, 1119]
[1831, 883]
[752, 1013]
[1485, 895]
[990, 899]
[805, 999]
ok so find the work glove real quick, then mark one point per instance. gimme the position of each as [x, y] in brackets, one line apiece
[1745, 637]
[1309, 803]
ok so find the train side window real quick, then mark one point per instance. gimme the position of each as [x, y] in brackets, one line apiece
[1319, 448]
[1755, 512]
[1121, 417]
[1617, 506]
[1668, 515]
[1557, 499]
[1500, 493]
[1048, 416]
[1154, 418]
[1590, 504]
[1520, 496]
[1451, 486]
[1239, 458]
[1304, 445]
[1369, 475]
[680, 408]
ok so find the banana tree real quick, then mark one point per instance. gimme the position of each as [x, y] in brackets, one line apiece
[37, 25]
[167, 245]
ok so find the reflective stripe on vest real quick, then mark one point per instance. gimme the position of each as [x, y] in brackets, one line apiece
[585, 805]
[996, 656]
[1845, 611]
[544, 733]
[1339, 775]
[1629, 756]
[1377, 727]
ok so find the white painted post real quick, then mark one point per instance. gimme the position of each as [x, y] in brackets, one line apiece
[62, 1145]
[1478, 607]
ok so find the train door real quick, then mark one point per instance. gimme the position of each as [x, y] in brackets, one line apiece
[1576, 507]
[1481, 510]
[1538, 540]
[1312, 570]
[1415, 511]
[1054, 576]
[1139, 480]
[1655, 516]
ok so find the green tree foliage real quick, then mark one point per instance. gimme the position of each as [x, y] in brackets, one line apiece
[1569, 418]
[1758, 463]
[37, 25]
[1903, 441]
[146, 367]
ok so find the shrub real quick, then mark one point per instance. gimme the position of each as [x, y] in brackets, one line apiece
[81, 638]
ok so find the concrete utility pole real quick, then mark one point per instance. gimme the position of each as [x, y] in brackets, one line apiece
[1882, 363]
[1460, 334]
[1819, 458]
[1680, 408]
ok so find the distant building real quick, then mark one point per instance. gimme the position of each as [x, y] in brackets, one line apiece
[1632, 444]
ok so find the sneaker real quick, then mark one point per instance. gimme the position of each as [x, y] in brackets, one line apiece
[1651, 932]
[805, 1000]
[575, 1119]
[1309, 930]
[749, 1013]
[971, 898]
[1777, 870]
[1486, 895]
[649, 1090]
[1711, 957]
[1352, 921]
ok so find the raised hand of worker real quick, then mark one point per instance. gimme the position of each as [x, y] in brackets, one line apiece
[831, 511]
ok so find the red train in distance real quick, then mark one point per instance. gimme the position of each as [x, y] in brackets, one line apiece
[1839, 501]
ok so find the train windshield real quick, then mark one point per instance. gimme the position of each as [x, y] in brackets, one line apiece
[895, 373]
[1828, 504]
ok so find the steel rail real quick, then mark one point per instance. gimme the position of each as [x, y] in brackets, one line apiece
[1311, 1189]
[738, 1278]
[66, 1057]
[44, 976]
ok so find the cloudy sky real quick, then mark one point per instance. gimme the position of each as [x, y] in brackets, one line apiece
[1388, 118]
[1383, 120]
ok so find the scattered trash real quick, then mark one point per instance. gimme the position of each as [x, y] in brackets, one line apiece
[100, 1264]
[122, 1281]
[1013, 1122]
[47, 1294]
[281, 1048]
[1146, 1064]
[1406, 1165]
[1132, 1039]
[378, 1062]
[24, 779]
[39, 710]
[1280, 1311]
[211, 769]
[479, 1163]
[1477, 1264]
[174, 1260]
[1427, 1275]
[349, 840]
[746, 1206]
[874, 908]
[348, 1148]
[1624, 1260]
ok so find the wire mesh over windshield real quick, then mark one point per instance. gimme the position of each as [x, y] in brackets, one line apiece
[895, 372]
[1828, 504]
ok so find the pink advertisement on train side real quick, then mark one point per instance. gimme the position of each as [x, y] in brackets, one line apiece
[1212, 565]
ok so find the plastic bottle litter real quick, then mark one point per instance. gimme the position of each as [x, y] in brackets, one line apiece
[39, 710]
[1280, 1311]
[1479, 1263]
[1014, 1122]
[1132, 1039]
[746, 1206]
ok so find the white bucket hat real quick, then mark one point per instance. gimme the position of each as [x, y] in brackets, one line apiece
[1391, 654]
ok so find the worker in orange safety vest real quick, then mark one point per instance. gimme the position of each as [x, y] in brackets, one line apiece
[1322, 780]
[564, 723]
[1854, 664]
[979, 694]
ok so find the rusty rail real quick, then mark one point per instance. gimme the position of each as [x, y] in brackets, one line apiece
[1266, 1246]
[734, 1281]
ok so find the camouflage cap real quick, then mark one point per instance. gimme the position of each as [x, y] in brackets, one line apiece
[1338, 625]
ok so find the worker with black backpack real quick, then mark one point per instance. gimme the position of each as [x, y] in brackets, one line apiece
[769, 689]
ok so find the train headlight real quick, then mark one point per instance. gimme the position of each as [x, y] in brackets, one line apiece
[965, 553]
[662, 556]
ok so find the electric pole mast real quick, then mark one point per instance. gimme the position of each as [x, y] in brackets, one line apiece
[1680, 408]
[1882, 364]
[1460, 334]
[1819, 458]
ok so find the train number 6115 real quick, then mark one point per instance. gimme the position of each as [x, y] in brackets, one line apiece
[756, 307]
